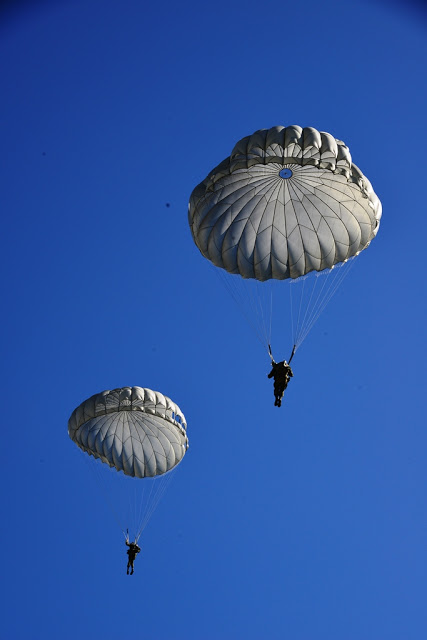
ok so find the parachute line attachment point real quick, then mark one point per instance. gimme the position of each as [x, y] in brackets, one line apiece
[293, 353]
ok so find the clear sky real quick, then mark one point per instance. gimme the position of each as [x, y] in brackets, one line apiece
[304, 523]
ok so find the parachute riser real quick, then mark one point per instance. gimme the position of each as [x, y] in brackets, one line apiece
[270, 353]
[127, 538]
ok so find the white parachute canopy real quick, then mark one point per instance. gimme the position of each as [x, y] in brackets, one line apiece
[286, 202]
[133, 430]
[137, 431]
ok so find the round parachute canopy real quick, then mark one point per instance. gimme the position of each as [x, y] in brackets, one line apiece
[287, 201]
[137, 431]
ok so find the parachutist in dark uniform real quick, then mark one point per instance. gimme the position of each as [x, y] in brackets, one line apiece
[282, 373]
[132, 553]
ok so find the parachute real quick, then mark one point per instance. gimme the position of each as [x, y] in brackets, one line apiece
[288, 201]
[139, 432]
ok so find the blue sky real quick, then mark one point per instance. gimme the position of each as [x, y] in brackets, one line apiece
[304, 523]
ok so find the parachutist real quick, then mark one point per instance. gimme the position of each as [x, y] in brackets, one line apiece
[132, 553]
[282, 373]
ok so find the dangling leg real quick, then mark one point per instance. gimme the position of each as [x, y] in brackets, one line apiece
[276, 394]
[280, 393]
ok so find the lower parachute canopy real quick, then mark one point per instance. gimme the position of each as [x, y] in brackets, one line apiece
[135, 430]
[139, 432]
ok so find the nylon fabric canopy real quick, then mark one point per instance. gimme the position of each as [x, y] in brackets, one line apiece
[137, 431]
[287, 201]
